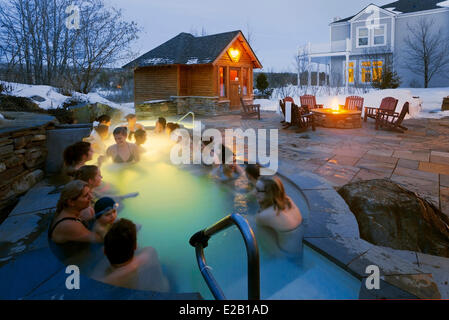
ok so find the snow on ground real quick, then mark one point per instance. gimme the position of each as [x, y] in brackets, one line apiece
[53, 99]
[424, 103]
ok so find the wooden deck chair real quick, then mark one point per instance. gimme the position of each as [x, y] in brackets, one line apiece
[385, 119]
[303, 118]
[310, 102]
[353, 103]
[388, 105]
[250, 110]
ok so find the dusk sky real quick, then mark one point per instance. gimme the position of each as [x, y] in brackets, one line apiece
[278, 27]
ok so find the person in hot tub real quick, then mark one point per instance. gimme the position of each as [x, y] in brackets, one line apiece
[127, 266]
[280, 213]
[122, 151]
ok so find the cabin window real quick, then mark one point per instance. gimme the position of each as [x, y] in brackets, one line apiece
[245, 81]
[362, 37]
[222, 71]
[234, 75]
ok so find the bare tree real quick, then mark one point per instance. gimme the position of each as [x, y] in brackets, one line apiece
[426, 50]
[39, 49]
[301, 65]
[102, 40]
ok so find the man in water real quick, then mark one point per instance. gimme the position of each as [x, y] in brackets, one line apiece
[129, 267]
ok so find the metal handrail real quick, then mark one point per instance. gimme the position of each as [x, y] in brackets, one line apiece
[200, 241]
[186, 115]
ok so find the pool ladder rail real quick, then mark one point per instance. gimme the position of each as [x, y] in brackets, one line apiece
[185, 116]
[200, 241]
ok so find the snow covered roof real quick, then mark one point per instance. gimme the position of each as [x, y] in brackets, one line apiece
[186, 49]
[409, 6]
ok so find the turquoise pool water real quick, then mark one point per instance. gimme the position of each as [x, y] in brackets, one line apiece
[175, 203]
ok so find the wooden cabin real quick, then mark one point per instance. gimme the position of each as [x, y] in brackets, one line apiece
[216, 68]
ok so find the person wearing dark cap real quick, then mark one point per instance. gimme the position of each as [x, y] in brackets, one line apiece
[129, 267]
[133, 126]
[105, 215]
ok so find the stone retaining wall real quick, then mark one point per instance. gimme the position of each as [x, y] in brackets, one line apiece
[22, 157]
[208, 106]
[153, 110]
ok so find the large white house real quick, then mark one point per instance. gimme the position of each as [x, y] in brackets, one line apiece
[361, 46]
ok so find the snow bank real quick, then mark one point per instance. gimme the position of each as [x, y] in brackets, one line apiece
[53, 99]
[424, 103]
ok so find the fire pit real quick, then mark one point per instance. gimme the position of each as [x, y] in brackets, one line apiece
[337, 118]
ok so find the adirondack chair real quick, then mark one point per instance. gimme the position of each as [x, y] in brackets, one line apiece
[282, 105]
[387, 105]
[353, 103]
[385, 119]
[250, 110]
[303, 118]
[310, 102]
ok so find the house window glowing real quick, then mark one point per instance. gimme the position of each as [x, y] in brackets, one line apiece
[234, 54]
[366, 72]
[362, 37]
[377, 70]
[371, 71]
[350, 71]
[222, 76]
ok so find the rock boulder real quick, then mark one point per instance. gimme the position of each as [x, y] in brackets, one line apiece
[391, 216]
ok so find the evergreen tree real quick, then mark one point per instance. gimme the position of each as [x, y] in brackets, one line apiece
[390, 80]
[262, 82]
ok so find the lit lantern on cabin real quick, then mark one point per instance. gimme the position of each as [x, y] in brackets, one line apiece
[234, 54]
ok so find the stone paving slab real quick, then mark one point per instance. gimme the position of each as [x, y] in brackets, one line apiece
[412, 155]
[439, 157]
[409, 164]
[337, 175]
[365, 174]
[37, 199]
[444, 180]
[417, 174]
[438, 267]
[344, 160]
[379, 158]
[376, 166]
[434, 167]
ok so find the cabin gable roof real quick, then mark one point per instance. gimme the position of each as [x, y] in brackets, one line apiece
[186, 49]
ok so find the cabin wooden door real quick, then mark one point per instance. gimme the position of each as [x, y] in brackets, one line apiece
[235, 90]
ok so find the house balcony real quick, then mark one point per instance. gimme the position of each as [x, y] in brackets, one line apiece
[330, 49]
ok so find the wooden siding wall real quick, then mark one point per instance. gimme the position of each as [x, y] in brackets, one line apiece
[197, 81]
[155, 83]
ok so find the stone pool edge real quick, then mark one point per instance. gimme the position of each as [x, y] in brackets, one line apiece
[332, 230]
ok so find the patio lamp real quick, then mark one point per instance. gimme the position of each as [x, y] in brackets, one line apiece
[234, 54]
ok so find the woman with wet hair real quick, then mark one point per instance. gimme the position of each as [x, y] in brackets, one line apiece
[280, 213]
[91, 175]
[73, 212]
[123, 151]
[76, 155]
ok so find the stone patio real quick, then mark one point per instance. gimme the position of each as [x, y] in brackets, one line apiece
[417, 159]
